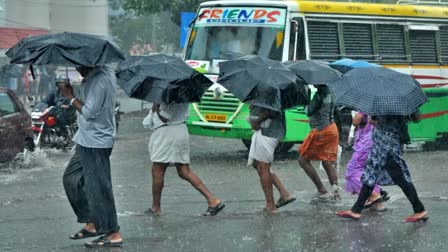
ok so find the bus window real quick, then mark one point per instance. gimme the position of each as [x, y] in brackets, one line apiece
[443, 44]
[423, 46]
[358, 42]
[391, 43]
[301, 54]
[323, 40]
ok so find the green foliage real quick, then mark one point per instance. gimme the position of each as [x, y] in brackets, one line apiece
[175, 7]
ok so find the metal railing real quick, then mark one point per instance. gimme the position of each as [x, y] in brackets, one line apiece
[423, 2]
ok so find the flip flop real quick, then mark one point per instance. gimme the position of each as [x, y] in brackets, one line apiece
[369, 204]
[149, 211]
[424, 218]
[103, 242]
[281, 202]
[344, 214]
[384, 196]
[82, 234]
[212, 211]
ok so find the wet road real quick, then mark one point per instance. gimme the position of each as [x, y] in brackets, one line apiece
[35, 214]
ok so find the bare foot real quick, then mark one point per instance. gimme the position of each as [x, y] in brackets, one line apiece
[90, 227]
[348, 214]
[378, 207]
[214, 203]
[114, 237]
[271, 210]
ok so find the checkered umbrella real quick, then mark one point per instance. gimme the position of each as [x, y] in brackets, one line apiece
[379, 91]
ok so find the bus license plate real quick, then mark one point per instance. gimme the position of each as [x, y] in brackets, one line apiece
[216, 117]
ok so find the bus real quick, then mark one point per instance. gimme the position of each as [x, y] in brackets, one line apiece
[410, 37]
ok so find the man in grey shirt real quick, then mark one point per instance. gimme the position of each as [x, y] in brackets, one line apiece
[87, 179]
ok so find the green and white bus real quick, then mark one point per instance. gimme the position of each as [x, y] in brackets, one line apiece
[409, 38]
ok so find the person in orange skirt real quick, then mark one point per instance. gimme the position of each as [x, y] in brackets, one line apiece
[322, 142]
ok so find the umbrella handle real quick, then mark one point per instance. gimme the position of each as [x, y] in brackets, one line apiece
[32, 72]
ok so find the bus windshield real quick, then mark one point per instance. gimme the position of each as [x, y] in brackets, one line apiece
[214, 39]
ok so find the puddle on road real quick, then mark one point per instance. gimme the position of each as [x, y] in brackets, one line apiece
[23, 165]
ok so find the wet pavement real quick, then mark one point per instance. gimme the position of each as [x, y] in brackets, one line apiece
[36, 216]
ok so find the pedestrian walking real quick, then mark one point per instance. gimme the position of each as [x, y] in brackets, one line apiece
[170, 144]
[385, 166]
[321, 143]
[269, 128]
[363, 144]
[87, 179]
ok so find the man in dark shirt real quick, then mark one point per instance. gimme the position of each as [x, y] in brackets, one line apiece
[322, 142]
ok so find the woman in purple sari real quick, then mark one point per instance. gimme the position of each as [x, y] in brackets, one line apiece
[362, 147]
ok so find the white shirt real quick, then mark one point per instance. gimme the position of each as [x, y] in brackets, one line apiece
[176, 113]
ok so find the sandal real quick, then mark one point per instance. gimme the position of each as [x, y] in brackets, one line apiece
[282, 202]
[384, 195]
[369, 204]
[345, 214]
[212, 211]
[424, 218]
[103, 241]
[82, 234]
[149, 211]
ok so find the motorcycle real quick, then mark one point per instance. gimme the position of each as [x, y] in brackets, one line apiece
[47, 131]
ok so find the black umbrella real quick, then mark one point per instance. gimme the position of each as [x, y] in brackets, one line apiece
[313, 72]
[263, 82]
[162, 79]
[379, 91]
[65, 49]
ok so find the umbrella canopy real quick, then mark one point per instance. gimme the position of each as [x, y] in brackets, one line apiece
[345, 65]
[379, 91]
[162, 79]
[313, 72]
[65, 49]
[263, 82]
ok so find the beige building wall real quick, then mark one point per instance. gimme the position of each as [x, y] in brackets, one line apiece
[22, 13]
[84, 16]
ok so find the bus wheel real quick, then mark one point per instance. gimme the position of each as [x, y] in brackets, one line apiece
[281, 148]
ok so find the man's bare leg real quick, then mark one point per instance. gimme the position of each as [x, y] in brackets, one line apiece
[158, 178]
[330, 169]
[284, 194]
[264, 171]
[184, 172]
[312, 174]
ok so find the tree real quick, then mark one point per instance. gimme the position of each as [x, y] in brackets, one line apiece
[175, 7]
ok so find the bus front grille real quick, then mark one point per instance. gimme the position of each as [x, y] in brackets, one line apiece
[226, 103]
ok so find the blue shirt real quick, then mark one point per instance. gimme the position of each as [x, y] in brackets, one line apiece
[96, 121]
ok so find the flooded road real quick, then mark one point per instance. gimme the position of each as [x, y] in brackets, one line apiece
[36, 216]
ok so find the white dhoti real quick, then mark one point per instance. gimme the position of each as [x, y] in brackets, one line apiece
[262, 148]
[170, 144]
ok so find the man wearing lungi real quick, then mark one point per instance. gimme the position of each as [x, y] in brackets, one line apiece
[269, 128]
[170, 144]
[322, 142]
[87, 179]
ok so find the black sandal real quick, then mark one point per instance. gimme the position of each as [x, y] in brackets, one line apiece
[282, 202]
[212, 211]
[103, 241]
[371, 203]
[82, 234]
